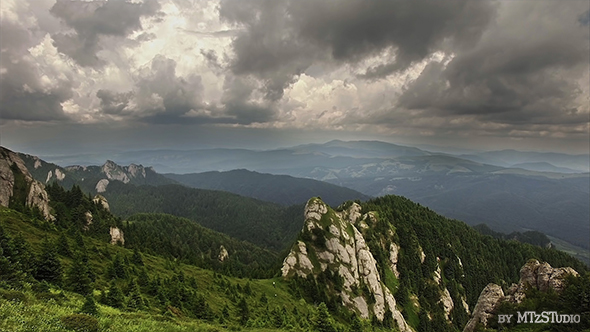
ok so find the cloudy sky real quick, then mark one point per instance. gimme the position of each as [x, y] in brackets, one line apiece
[77, 76]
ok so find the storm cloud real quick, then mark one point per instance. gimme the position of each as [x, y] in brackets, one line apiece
[516, 71]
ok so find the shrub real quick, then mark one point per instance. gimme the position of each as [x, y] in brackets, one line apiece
[80, 323]
[12, 295]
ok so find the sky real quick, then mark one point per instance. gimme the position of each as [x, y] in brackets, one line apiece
[82, 76]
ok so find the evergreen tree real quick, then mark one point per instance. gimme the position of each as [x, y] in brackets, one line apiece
[115, 297]
[244, 311]
[137, 257]
[63, 245]
[48, 266]
[356, 325]
[89, 307]
[135, 300]
[323, 322]
[78, 276]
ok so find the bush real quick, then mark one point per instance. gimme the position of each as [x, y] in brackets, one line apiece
[80, 323]
[12, 295]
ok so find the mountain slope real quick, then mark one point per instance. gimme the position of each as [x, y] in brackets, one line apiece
[280, 189]
[262, 223]
[402, 263]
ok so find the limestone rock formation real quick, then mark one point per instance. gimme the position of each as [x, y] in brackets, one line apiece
[101, 186]
[36, 196]
[114, 172]
[117, 236]
[344, 251]
[487, 303]
[99, 199]
[535, 274]
[223, 254]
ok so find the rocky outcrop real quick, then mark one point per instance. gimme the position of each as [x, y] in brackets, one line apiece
[114, 172]
[487, 303]
[99, 199]
[223, 254]
[117, 236]
[535, 274]
[101, 186]
[344, 251]
[36, 195]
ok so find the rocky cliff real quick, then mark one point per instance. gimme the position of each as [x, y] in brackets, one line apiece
[534, 274]
[17, 185]
[334, 240]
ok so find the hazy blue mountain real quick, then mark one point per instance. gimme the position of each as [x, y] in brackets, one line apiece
[542, 166]
[281, 189]
[361, 149]
[507, 158]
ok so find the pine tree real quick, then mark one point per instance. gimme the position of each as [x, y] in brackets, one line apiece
[89, 307]
[323, 321]
[135, 300]
[137, 258]
[48, 266]
[244, 311]
[63, 246]
[78, 276]
[115, 297]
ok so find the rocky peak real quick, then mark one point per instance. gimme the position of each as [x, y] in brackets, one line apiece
[535, 274]
[36, 196]
[100, 199]
[114, 171]
[331, 240]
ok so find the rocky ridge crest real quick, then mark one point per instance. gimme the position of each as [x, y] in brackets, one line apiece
[534, 274]
[334, 240]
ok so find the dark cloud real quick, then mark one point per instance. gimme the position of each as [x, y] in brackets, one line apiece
[92, 19]
[282, 39]
[519, 75]
[237, 101]
[114, 103]
[22, 96]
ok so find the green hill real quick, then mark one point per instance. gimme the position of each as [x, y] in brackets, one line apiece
[281, 189]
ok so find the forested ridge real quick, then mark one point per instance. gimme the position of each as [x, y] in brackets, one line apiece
[59, 275]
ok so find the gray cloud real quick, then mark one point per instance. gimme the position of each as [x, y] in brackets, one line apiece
[90, 20]
[22, 96]
[237, 95]
[284, 38]
[520, 75]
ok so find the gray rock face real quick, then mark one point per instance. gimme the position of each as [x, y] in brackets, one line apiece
[534, 274]
[346, 253]
[223, 254]
[99, 199]
[37, 196]
[114, 172]
[486, 305]
[101, 185]
[117, 236]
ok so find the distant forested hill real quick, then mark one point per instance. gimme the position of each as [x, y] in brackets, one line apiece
[262, 223]
[280, 189]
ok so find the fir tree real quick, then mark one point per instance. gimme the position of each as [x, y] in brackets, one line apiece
[78, 276]
[244, 311]
[323, 321]
[63, 246]
[48, 266]
[89, 307]
[115, 297]
[137, 257]
[135, 300]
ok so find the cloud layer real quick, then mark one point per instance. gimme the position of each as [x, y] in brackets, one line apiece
[444, 69]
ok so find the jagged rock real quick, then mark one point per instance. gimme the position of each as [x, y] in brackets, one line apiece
[393, 252]
[135, 170]
[37, 163]
[487, 303]
[89, 219]
[49, 176]
[114, 172]
[36, 197]
[117, 236]
[346, 253]
[540, 276]
[223, 254]
[99, 199]
[534, 274]
[101, 186]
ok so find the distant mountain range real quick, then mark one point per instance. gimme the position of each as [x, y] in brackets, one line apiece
[508, 190]
[280, 189]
